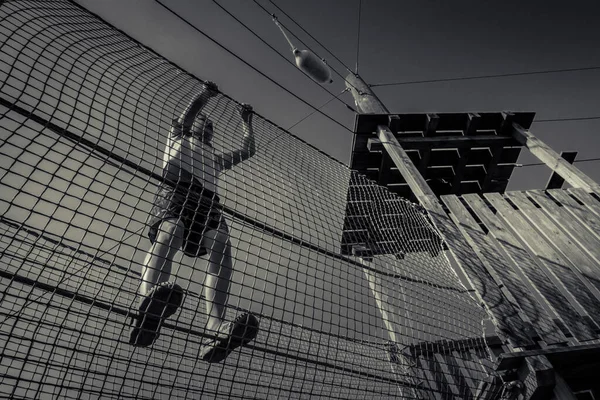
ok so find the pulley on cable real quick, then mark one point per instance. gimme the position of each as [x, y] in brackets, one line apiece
[307, 61]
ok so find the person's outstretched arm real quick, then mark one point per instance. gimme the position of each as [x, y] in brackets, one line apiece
[188, 116]
[231, 158]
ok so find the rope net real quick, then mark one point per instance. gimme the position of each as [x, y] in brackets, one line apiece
[85, 117]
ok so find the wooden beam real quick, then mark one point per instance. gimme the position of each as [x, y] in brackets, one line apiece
[404, 164]
[460, 251]
[556, 181]
[448, 142]
[553, 160]
[366, 101]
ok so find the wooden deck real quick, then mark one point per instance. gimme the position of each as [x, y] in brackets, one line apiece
[532, 257]
[543, 249]
[458, 153]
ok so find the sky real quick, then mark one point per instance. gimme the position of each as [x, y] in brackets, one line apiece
[399, 41]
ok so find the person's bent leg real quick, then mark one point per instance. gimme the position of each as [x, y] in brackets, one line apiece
[160, 298]
[227, 335]
[218, 276]
[157, 265]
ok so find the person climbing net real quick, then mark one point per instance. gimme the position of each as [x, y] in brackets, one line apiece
[186, 216]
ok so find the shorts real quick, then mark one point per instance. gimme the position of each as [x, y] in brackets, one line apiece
[189, 202]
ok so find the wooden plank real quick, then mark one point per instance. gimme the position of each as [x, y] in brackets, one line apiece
[556, 181]
[531, 253]
[575, 221]
[588, 213]
[479, 265]
[512, 259]
[564, 286]
[552, 159]
[582, 265]
[448, 376]
[404, 164]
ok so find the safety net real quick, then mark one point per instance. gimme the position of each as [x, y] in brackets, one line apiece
[87, 114]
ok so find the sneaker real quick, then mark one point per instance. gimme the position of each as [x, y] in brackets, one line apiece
[229, 337]
[160, 303]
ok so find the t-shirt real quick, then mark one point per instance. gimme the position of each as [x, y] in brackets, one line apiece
[187, 151]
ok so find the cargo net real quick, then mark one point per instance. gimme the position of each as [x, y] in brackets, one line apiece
[85, 116]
